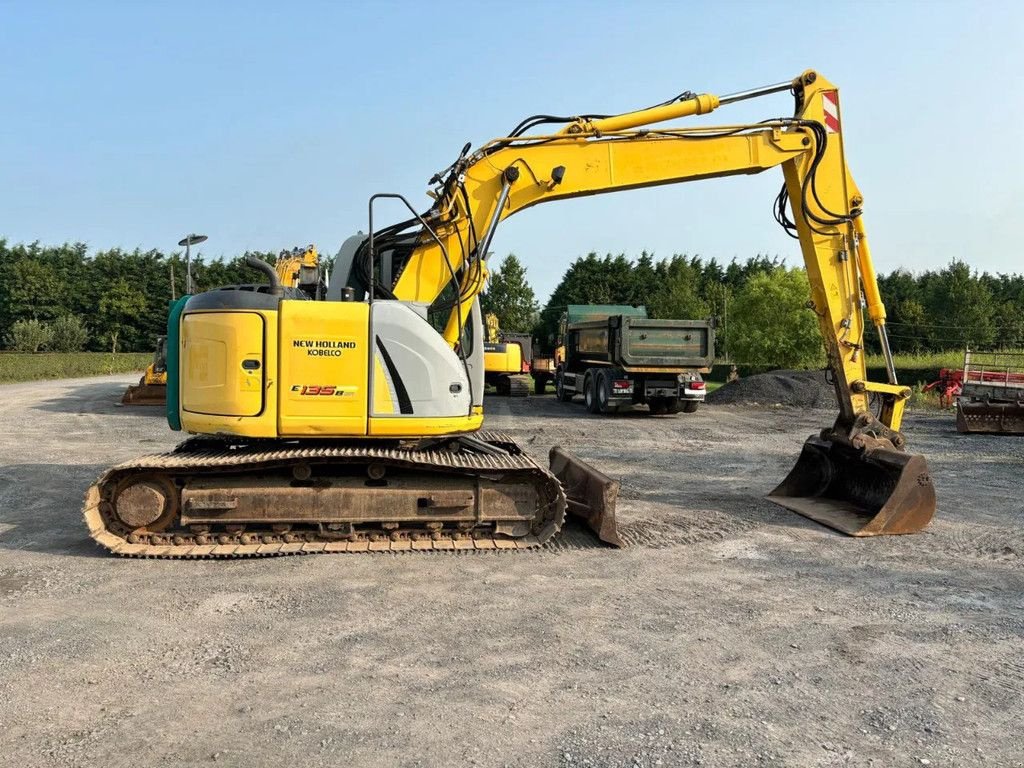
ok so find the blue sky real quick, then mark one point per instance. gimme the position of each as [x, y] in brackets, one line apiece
[267, 125]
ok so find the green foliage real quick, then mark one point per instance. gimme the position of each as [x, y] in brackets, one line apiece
[681, 287]
[69, 334]
[30, 336]
[47, 282]
[124, 295]
[677, 292]
[510, 297]
[771, 324]
[119, 307]
[963, 306]
[51, 365]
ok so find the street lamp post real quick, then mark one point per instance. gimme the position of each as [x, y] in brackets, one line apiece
[188, 241]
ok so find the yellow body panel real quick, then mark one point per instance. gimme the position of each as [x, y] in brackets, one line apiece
[323, 368]
[217, 394]
[216, 344]
[509, 361]
[383, 397]
[152, 378]
[419, 426]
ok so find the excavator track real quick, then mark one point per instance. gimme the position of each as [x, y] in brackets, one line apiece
[519, 386]
[215, 498]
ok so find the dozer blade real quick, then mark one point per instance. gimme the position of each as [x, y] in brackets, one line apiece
[866, 492]
[990, 418]
[145, 394]
[589, 494]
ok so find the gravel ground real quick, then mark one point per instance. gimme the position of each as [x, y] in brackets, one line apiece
[799, 389]
[730, 633]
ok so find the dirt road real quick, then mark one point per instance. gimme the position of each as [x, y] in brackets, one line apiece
[730, 632]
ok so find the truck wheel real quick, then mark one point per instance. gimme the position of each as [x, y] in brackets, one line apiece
[602, 393]
[690, 406]
[540, 385]
[590, 394]
[560, 393]
[673, 406]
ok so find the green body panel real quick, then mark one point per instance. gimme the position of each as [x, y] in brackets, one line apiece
[581, 313]
[173, 359]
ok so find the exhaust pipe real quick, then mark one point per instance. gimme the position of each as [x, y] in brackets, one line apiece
[276, 289]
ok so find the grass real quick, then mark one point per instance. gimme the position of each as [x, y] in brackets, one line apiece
[18, 366]
[922, 360]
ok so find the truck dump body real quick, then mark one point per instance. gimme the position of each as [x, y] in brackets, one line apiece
[641, 342]
[617, 357]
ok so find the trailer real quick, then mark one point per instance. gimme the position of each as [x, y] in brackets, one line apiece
[991, 397]
[616, 357]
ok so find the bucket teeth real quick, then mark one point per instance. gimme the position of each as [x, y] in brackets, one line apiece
[867, 492]
[590, 494]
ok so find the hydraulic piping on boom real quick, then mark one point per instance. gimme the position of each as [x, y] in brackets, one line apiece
[348, 424]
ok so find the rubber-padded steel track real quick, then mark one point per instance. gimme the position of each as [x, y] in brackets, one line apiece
[206, 457]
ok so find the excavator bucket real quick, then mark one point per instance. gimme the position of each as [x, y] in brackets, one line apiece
[589, 494]
[145, 394]
[861, 492]
[1006, 418]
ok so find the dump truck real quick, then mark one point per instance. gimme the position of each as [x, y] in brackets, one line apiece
[616, 357]
[991, 397]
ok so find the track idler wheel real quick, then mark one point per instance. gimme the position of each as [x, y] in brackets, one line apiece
[867, 491]
[146, 504]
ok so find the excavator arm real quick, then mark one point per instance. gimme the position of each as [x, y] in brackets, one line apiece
[852, 478]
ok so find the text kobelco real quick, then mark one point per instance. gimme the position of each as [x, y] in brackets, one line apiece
[323, 347]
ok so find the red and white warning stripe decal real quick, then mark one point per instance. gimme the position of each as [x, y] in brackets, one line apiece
[830, 103]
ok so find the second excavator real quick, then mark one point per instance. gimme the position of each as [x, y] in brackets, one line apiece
[352, 423]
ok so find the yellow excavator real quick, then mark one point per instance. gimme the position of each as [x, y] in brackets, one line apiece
[353, 424]
[299, 268]
[152, 386]
[506, 359]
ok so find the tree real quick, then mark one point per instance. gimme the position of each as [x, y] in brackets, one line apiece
[909, 326]
[119, 310]
[30, 336]
[676, 297]
[770, 322]
[510, 297]
[960, 309]
[69, 334]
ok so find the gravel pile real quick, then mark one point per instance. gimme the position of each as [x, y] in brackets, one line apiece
[799, 389]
